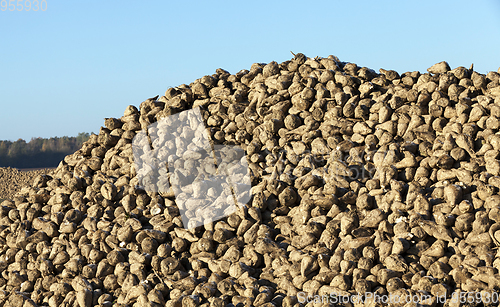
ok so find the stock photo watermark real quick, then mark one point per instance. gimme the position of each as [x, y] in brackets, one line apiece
[418, 298]
[23, 5]
[209, 182]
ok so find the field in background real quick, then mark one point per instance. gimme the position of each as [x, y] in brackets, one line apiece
[12, 180]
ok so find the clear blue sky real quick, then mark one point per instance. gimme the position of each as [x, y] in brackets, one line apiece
[63, 70]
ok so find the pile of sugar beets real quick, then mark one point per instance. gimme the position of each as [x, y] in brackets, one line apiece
[380, 184]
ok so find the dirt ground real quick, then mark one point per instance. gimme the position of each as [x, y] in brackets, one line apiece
[12, 180]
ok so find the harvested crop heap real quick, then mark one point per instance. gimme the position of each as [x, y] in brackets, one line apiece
[361, 182]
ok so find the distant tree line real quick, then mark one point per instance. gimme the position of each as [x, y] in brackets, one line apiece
[39, 152]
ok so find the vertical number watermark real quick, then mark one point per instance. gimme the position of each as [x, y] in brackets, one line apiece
[23, 5]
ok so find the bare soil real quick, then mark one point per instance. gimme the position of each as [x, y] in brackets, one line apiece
[13, 179]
